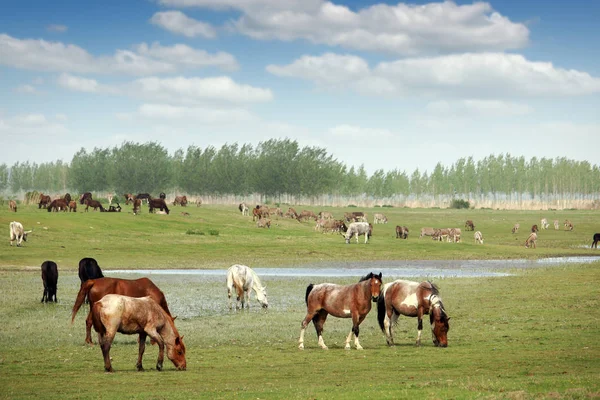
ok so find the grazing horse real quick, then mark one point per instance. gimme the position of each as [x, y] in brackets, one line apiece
[243, 280]
[45, 200]
[137, 205]
[401, 232]
[531, 240]
[349, 301]
[130, 315]
[478, 237]
[568, 225]
[413, 299]
[357, 229]
[58, 205]
[596, 240]
[73, 206]
[95, 289]
[556, 224]
[50, 279]
[143, 196]
[469, 225]
[180, 200]
[544, 223]
[95, 204]
[128, 198]
[12, 206]
[515, 228]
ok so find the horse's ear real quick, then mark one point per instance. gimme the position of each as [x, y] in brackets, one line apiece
[174, 318]
[380, 276]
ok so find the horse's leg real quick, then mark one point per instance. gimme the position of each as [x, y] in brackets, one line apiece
[161, 347]
[247, 297]
[105, 341]
[142, 348]
[240, 297]
[356, 320]
[305, 322]
[387, 326]
[318, 322]
[419, 325]
[45, 295]
[88, 328]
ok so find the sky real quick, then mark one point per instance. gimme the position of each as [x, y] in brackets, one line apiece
[384, 84]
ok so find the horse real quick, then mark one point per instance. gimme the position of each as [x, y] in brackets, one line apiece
[348, 301]
[469, 226]
[130, 315]
[413, 299]
[243, 279]
[596, 240]
[95, 289]
[531, 240]
[84, 197]
[89, 269]
[50, 279]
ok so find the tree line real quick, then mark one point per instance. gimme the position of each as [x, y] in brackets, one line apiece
[280, 166]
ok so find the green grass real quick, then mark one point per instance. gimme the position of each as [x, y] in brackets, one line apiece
[531, 335]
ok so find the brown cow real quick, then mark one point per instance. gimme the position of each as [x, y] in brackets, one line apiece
[45, 201]
[73, 206]
[469, 225]
[95, 204]
[181, 201]
[158, 203]
[12, 205]
[58, 205]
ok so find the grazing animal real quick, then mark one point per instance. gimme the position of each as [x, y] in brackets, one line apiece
[45, 201]
[306, 214]
[544, 223]
[73, 206]
[469, 225]
[325, 215]
[112, 208]
[478, 237]
[358, 229]
[128, 198]
[58, 205]
[379, 218]
[130, 315]
[84, 197]
[18, 233]
[144, 196]
[12, 206]
[50, 280]
[348, 301]
[137, 205]
[158, 203]
[291, 213]
[596, 239]
[185, 214]
[556, 225]
[181, 201]
[401, 232]
[426, 232]
[243, 208]
[515, 228]
[568, 225]
[95, 204]
[263, 223]
[356, 216]
[413, 299]
[531, 240]
[95, 289]
[454, 235]
[242, 279]
[534, 228]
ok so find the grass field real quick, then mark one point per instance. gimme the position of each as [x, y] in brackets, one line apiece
[530, 335]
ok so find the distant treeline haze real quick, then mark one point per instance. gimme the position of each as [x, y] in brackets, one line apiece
[281, 169]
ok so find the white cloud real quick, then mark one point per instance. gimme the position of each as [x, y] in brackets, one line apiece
[201, 115]
[57, 28]
[477, 107]
[31, 126]
[178, 22]
[397, 29]
[28, 89]
[78, 84]
[471, 75]
[42, 55]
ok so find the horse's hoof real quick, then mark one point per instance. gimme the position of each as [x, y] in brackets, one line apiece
[109, 370]
[159, 367]
[359, 348]
[301, 346]
[140, 368]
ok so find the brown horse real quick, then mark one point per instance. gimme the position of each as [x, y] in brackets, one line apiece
[595, 240]
[413, 299]
[95, 289]
[349, 301]
[129, 315]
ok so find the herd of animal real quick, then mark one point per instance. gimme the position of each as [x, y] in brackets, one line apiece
[139, 307]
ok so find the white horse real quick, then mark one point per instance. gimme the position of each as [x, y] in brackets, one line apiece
[243, 279]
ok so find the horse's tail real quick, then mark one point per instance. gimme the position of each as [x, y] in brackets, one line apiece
[83, 291]
[381, 310]
[309, 288]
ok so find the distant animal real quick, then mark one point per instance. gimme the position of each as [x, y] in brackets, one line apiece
[413, 299]
[347, 301]
[158, 203]
[110, 198]
[185, 214]
[515, 228]
[478, 237]
[544, 223]
[241, 280]
[379, 218]
[18, 233]
[306, 214]
[556, 224]
[45, 201]
[291, 213]
[198, 202]
[112, 208]
[67, 198]
[144, 196]
[426, 232]
[12, 206]
[58, 205]
[596, 240]
[73, 206]
[332, 225]
[534, 228]
[454, 235]
[95, 289]
[531, 240]
[137, 205]
[263, 223]
[358, 229]
[568, 225]
[50, 280]
[243, 208]
[469, 226]
[181, 201]
[401, 232]
[128, 198]
[356, 216]
[259, 212]
[162, 195]
[95, 204]
[89, 269]
[143, 316]
[84, 197]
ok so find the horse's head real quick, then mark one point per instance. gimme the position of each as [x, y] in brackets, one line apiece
[176, 353]
[261, 296]
[375, 283]
[25, 234]
[439, 322]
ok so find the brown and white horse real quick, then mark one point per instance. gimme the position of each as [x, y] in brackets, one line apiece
[413, 299]
[242, 279]
[348, 301]
[130, 315]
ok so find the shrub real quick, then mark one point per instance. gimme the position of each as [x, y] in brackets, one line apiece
[352, 205]
[213, 232]
[388, 206]
[460, 203]
[194, 232]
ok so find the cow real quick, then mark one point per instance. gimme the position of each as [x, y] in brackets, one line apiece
[534, 228]
[95, 204]
[379, 218]
[531, 240]
[357, 229]
[426, 232]
[45, 201]
[325, 215]
[306, 214]
[181, 201]
[401, 232]
[12, 206]
[144, 196]
[17, 233]
[243, 208]
[84, 197]
[478, 237]
[73, 206]
[469, 225]
[568, 225]
[137, 205]
[157, 203]
[263, 223]
[50, 280]
[556, 225]
[515, 228]
[112, 208]
[58, 205]
[544, 223]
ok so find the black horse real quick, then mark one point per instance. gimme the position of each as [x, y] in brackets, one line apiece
[89, 269]
[596, 240]
[50, 279]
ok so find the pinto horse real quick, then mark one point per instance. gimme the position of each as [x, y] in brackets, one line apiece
[413, 299]
[50, 279]
[243, 280]
[129, 315]
[349, 301]
[95, 289]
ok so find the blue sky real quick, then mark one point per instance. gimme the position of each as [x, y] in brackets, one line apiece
[380, 83]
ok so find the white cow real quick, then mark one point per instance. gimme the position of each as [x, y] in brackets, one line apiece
[478, 237]
[358, 229]
[17, 233]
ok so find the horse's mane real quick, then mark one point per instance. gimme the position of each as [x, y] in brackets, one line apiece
[433, 287]
[367, 277]
[256, 283]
